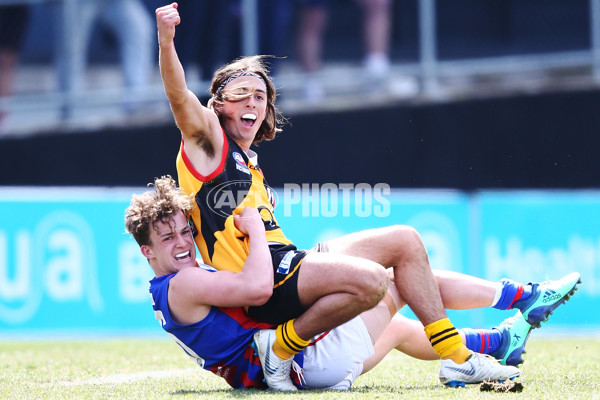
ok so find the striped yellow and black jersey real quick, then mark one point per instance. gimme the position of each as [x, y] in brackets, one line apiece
[235, 184]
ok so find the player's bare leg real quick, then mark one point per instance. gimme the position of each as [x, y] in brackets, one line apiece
[405, 335]
[337, 288]
[400, 247]
[333, 288]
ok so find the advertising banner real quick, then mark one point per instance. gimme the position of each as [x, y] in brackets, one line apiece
[67, 265]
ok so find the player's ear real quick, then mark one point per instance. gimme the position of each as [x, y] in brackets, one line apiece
[147, 251]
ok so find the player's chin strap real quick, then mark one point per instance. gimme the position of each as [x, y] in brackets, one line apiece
[299, 372]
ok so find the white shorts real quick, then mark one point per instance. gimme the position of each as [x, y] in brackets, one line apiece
[335, 361]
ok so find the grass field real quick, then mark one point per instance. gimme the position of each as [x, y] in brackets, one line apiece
[555, 368]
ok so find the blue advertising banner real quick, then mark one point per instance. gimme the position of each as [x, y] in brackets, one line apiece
[441, 217]
[66, 264]
[534, 235]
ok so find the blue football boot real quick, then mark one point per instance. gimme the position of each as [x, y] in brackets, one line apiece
[546, 297]
[515, 332]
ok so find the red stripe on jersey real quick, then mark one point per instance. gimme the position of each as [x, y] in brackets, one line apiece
[249, 383]
[213, 174]
[238, 314]
[251, 356]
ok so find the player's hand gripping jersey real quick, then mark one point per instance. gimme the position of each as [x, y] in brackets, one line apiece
[235, 184]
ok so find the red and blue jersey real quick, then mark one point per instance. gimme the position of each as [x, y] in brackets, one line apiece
[220, 343]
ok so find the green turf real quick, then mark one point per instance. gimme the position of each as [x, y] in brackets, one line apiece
[555, 368]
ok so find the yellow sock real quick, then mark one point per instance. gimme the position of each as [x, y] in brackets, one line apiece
[288, 343]
[446, 341]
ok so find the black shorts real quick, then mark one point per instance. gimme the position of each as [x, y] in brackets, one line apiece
[284, 304]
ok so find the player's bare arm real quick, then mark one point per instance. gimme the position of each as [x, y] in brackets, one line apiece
[200, 128]
[192, 290]
[258, 267]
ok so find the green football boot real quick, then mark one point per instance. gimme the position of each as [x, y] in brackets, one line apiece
[515, 332]
[546, 297]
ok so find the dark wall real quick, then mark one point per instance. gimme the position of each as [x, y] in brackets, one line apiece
[107, 158]
[545, 141]
[466, 28]
[548, 141]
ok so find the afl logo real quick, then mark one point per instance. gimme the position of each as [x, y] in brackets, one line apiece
[227, 196]
[238, 158]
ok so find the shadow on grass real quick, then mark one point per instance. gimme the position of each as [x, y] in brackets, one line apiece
[228, 392]
[371, 389]
[397, 388]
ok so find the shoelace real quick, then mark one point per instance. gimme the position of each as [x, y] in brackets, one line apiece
[488, 357]
[510, 321]
[299, 372]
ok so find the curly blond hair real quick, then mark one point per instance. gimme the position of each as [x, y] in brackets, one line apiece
[160, 204]
[257, 65]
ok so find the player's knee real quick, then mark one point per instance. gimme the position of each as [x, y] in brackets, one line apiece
[373, 287]
[403, 240]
